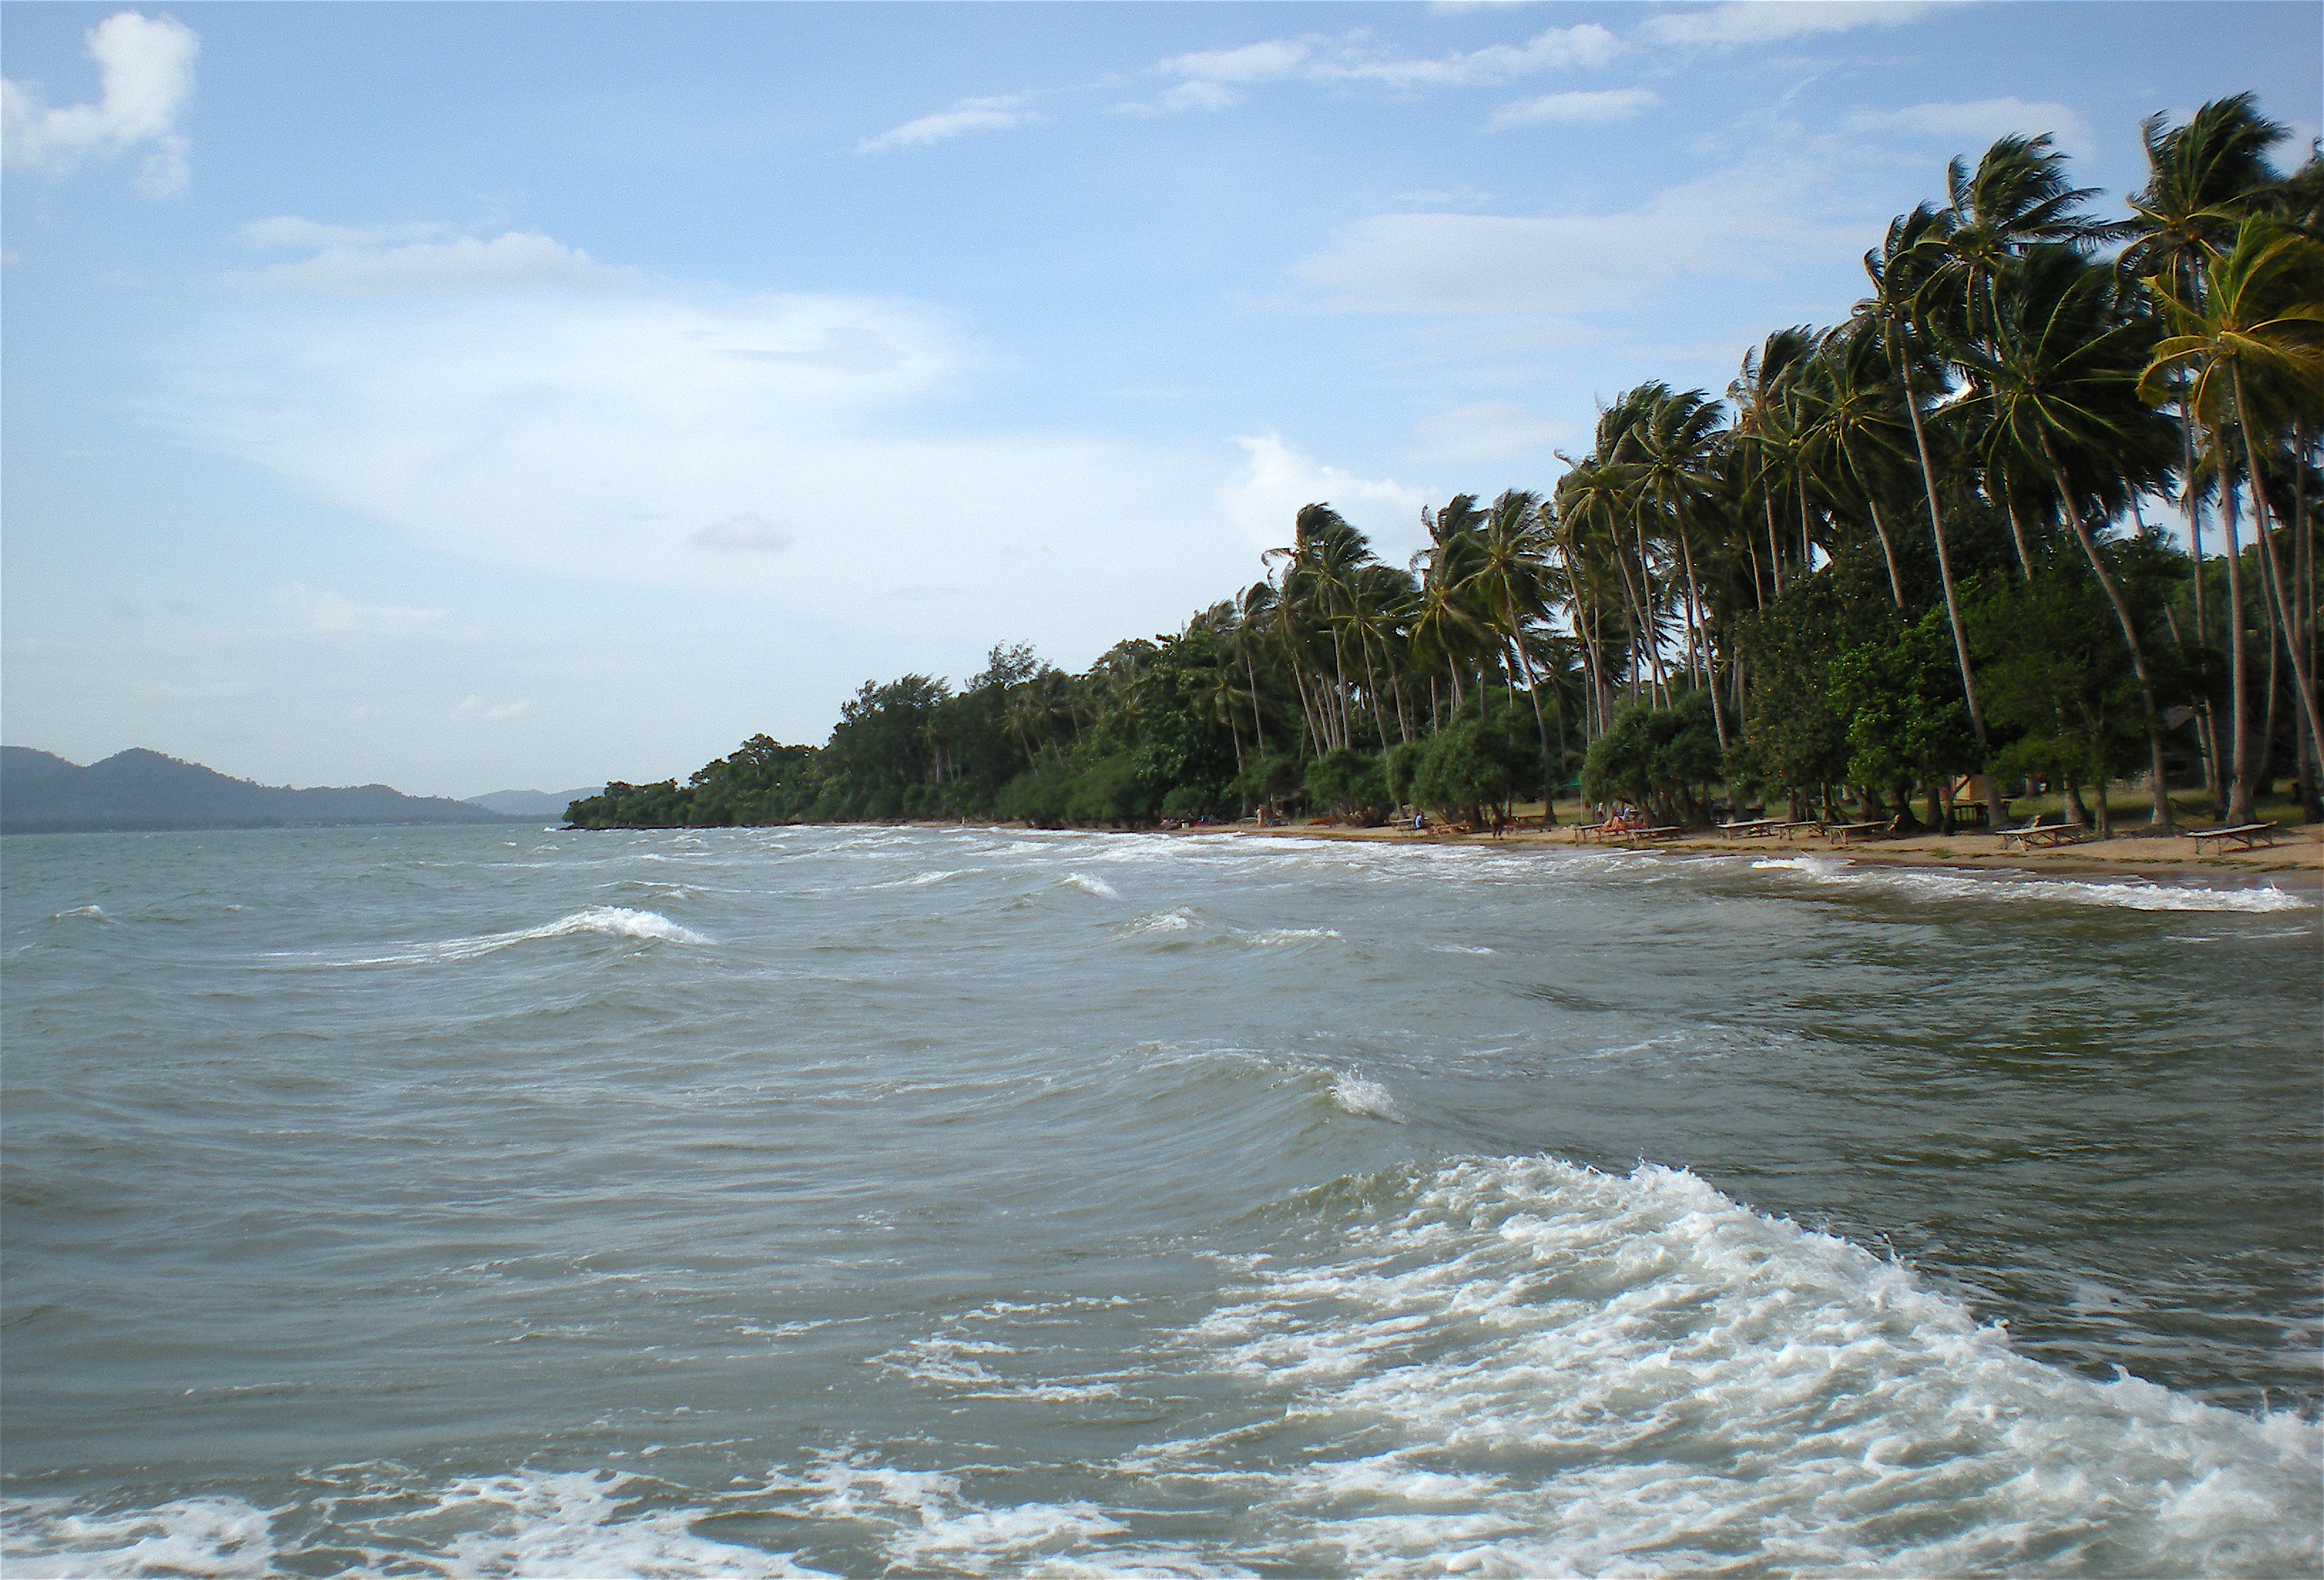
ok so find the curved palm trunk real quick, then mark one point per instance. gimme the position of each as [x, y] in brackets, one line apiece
[2261, 519]
[1888, 550]
[2239, 762]
[1775, 554]
[1710, 674]
[2017, 533]
[1993, 801]
[2161, 815]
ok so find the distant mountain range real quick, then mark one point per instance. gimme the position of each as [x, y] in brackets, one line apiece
[41, 793]
[534, 803]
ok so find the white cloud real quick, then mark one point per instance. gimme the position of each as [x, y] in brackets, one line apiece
[1212, 79]
[515, 261]
[289, 232]
[478, 707]
[742, 535]
[651, 438]
[1759, 22]
[1731, 224]
[1581, 107]
[1491, 430]
[145, 76]
[970, 115]
[1276, 480]
[316, 609]
[1976, 124]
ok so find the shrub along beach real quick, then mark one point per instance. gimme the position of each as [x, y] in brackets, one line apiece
[1904, 578]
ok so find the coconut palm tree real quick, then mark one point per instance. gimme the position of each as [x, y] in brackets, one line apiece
[1855, 439]
[1897, 312]
[2201, 178]
[2251, 347]
[2055, 379]
[1762, 433]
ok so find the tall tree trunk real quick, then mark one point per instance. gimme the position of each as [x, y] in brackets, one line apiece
[2239, 762]
[2160, 817]
[1887, 551]
[1993, 801]
[2017, 533]
[1709, 679]
[1775, 554]
[2272, 573]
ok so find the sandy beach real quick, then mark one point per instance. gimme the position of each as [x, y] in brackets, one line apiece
[2297, 852]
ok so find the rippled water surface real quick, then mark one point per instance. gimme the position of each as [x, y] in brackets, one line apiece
[854, 1201]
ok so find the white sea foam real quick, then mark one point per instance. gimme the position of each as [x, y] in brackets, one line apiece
[1273, 936]
[922, 880]
[574, 1524]
[1923, 882]
[612, 921]
[84, 913]
[1089, 885]
[1164, 922]
[1601, 1374]
[221, 1537]
[932, 1526]
[1462, 949]
[1354, 1094]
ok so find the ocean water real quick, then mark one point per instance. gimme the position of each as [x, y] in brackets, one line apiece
[465, 1202]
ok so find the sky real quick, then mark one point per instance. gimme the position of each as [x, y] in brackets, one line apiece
[468, 397]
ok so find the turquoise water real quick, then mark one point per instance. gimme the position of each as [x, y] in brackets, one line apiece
[757, 1201]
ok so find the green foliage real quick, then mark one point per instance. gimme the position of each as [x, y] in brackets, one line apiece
[1472, 769]
[1907, 718]
[1349, 783]
[1657, 757]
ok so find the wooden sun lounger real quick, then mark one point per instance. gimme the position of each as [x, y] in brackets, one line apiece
[2246, 835]
[1752, 829]
[2043, 836]
[1845, 832]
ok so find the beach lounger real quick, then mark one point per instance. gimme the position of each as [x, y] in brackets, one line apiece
[2040, 835]
[2246, 835]
[1848, 833]
[1752, 829]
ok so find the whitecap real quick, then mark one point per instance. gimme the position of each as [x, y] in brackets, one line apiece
[1089, 885]
[1654, 1378]
[86, 913]
[2134, 894]
[1275, 937]
[1163, 921]
[1461, 949]
[612, 921]
[1357, 1094]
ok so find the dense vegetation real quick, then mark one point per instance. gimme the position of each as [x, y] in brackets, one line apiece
[1906, 554]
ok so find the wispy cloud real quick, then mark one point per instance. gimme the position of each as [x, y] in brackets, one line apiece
[515, 261]
[145, 76]
[1583, 107]
[288, 232]
[1733, 224]
[478, 707]
[970, 115]
[742, 535]
[1490, 431]
[1978, 122]
[316, 609]
[1760, 22]
[1210, 80]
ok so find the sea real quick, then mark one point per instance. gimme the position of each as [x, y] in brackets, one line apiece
[884, 1201]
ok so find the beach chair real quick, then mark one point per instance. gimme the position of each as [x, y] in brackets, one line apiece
[2243, 835]
[1849, 833]
[2043, 835]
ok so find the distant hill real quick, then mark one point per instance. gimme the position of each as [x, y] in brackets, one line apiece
[534, 803]
[41, 793]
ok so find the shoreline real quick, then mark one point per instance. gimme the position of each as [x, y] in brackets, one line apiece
[2298, 854]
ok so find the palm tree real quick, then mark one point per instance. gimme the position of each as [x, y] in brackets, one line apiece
[1853, 443]
[2201, 178]
[2253, 348]
[1899, 270]
[2056, 379]
[1762, 432]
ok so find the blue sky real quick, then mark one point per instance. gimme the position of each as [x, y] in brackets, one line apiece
[485, 395]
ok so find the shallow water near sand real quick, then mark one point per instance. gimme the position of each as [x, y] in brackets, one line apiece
[963, 1202]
